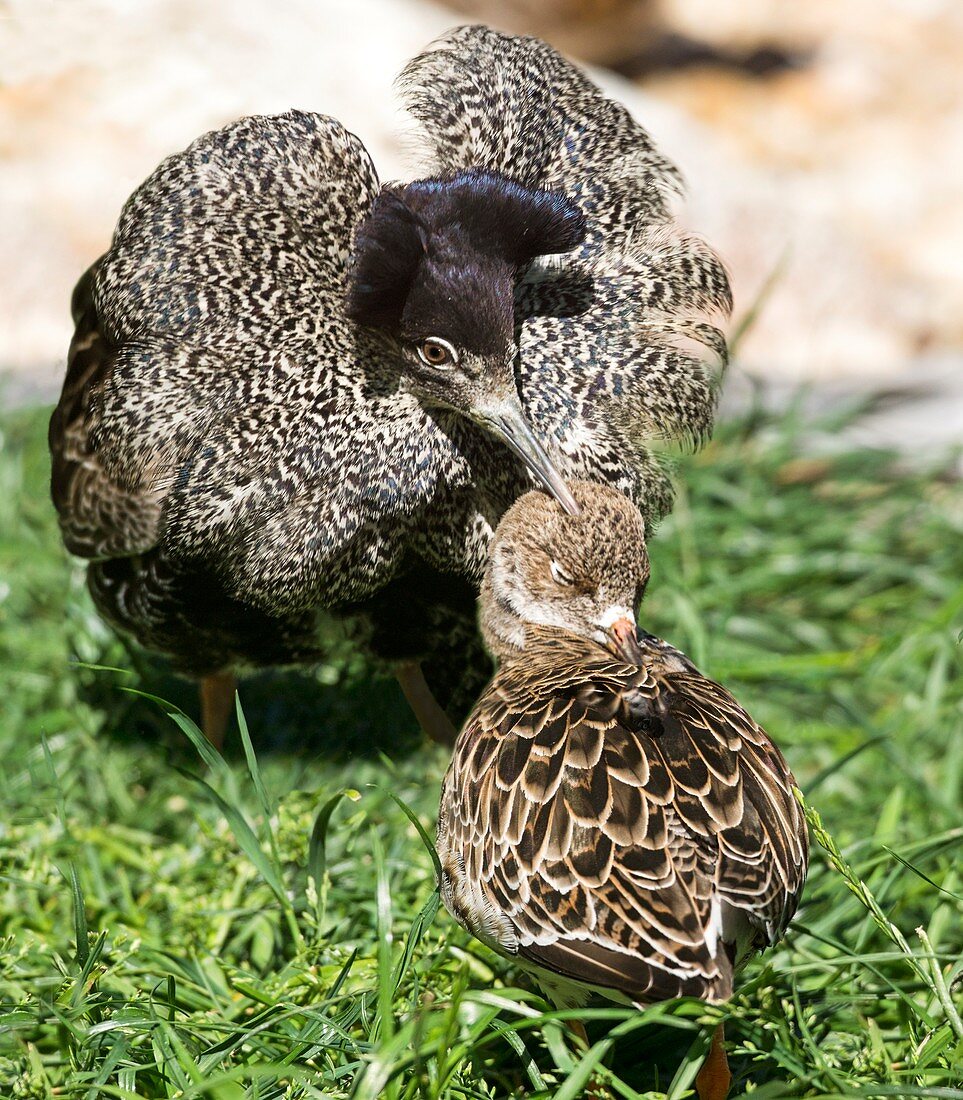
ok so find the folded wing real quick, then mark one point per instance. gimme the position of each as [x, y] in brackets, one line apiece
[623, 833]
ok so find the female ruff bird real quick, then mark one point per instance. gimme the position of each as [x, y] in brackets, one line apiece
[611, 819]
[294, 392]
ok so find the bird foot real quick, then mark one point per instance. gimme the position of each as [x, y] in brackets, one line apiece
[714, 1079]
[595, 1088]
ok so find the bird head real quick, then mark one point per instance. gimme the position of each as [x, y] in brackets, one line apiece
[584, 574]
[435, 265]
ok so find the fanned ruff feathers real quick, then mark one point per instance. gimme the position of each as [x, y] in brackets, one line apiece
[620, 353]
[224, 412]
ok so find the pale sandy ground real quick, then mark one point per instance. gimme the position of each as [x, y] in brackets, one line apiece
[845, 176]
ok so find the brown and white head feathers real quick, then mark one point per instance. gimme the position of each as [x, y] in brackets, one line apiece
[549, 569]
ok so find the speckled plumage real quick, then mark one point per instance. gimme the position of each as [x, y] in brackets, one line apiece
[233, 453]
[619, 826]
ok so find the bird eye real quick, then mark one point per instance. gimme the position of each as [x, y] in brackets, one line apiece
[559, 575]
[435, 352]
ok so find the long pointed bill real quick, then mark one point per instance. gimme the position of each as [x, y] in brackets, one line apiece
[510, 425]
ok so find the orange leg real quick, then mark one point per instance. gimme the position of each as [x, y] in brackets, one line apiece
[595, 1089]
[714, 1079]
[429, 714]
[217, 705]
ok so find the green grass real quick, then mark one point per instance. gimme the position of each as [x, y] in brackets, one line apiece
[268, 927]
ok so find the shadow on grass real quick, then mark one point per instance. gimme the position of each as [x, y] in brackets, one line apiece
[289, 712]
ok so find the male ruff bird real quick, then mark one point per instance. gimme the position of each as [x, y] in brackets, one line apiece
[611, 819]
[294, 393]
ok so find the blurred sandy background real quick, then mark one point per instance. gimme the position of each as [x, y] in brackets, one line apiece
[822, 144]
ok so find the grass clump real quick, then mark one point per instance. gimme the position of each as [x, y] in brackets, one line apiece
[268, 927]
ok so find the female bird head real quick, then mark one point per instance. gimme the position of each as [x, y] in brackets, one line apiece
[435, 265]
[584, 574]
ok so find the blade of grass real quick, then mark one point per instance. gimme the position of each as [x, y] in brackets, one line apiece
[317, 851]
[247, 840]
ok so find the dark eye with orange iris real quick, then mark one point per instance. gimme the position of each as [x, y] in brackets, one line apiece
[435, 352]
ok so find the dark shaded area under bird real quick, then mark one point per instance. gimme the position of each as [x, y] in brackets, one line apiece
[293, 395]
